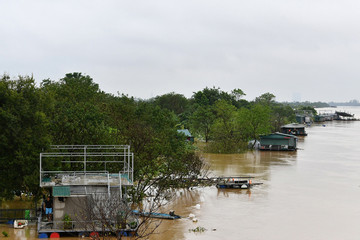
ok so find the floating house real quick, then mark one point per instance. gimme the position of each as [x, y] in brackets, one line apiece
[187, 133]
[304, 116]
[83, 180]
[278, 142]
[303, 119]
[294, 129]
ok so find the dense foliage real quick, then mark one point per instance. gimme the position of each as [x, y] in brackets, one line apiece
[74, 110]
[24, 132]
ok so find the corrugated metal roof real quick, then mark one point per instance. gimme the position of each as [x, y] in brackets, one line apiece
[293, 125]
[277, 134]
[186, 132]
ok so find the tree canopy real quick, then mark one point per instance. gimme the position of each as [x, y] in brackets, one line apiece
[75, 111]
[24, 133]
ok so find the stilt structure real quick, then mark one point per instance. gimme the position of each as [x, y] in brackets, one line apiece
[75, 173]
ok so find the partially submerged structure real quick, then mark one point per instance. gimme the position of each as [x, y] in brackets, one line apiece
[187, 133]
[342, 115]
[304, 116]
[235, 182]
[303, 119]
[328, 115]
[83, 181]
[294, 129]
[278, 142]
[325, 115]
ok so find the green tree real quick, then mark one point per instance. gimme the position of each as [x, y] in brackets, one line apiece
[237, 94]
[280, 115]
[266, 98]
[226, 135]
[173, 102]
[201, 121]
[77, 118]
[307, 109]
[254, 121]
[151, 132]
[23, 134]
[209, 96]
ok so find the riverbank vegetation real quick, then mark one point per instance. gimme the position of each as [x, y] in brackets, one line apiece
[74, 111]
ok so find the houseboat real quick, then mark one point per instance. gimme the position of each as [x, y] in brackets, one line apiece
[235, 182]
[294, 129]
[278, 142]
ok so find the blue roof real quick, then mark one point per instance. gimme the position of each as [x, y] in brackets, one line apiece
[186, 132]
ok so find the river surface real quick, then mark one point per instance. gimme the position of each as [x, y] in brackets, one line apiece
[313, 193]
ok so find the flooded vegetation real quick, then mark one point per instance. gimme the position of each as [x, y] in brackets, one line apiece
[311, 193]
[308, 194]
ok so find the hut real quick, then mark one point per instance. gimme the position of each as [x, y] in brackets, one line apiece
[187, 133]
[294, 129]
[278, 142]
[303, 119]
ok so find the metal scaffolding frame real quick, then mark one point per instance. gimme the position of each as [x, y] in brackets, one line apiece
[121, 156]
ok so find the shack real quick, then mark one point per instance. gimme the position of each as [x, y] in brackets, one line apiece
[278, 142]
[294, 129]
[187, 133]
[303, 119]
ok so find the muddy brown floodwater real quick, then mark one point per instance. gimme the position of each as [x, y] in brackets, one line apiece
[313, 193]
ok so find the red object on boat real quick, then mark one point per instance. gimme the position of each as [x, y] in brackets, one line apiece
[94, 235]
[54, 235]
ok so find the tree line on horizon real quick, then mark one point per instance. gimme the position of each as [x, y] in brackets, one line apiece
[74, 111]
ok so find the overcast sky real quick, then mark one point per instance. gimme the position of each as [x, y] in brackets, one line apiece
[307, 50]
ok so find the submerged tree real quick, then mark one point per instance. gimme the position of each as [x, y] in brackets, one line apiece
[201, 121]
[164, 159]
[255, 121]
[280, 113]
[226, 135]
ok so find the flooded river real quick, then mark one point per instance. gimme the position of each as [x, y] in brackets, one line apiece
[312, 193]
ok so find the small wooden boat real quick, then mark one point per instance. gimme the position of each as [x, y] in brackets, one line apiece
[235, 182]
[170, 216]
[20, 223]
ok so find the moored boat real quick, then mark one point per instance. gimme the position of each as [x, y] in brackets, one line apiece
[235, 182]
[170, 216]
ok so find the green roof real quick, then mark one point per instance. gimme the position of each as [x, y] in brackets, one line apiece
[61, 191]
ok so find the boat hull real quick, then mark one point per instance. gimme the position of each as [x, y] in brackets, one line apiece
[234, 185]
[156, 215]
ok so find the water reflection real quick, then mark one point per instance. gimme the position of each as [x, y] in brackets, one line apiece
[229, 192]
[253, 163]
[18, 234]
